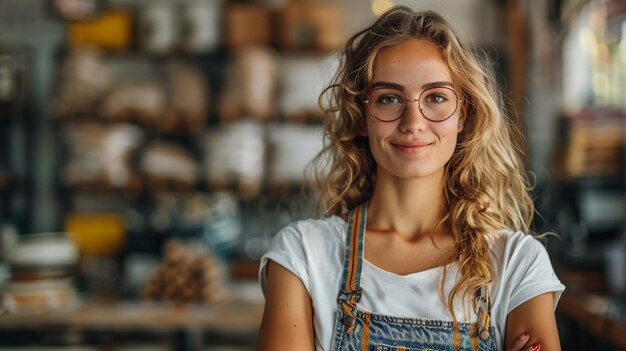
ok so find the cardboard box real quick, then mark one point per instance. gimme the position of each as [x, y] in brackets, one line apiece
[247, 25]
[310, 26]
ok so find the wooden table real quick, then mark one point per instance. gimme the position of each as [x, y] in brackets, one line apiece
[189, 322]
[587, 310]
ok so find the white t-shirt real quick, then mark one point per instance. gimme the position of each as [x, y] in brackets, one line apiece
[313, 250]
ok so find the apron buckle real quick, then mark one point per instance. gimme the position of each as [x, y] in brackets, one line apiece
[484, 334]
[348, 321]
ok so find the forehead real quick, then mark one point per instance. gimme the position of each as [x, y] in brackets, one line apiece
[412, 62]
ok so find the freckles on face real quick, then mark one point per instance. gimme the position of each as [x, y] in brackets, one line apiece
[413, 146]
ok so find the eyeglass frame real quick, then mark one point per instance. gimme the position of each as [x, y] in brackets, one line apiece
[406, 104]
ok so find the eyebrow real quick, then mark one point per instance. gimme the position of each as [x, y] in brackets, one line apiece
[402, 87]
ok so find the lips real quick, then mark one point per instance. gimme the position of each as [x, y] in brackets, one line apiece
[411, 147]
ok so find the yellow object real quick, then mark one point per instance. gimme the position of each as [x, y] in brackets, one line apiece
[111, 31]
[97, 234]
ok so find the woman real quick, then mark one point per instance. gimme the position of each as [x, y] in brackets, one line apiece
[425, 246]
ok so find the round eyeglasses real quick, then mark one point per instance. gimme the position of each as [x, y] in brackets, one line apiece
[436, 104]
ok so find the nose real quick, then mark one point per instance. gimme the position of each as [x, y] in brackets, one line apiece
[413, 120]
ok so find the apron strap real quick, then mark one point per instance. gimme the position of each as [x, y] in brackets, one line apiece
[350, 289]
[483, 303]
[353, 260]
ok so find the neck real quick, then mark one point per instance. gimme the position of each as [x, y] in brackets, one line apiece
[411, 208]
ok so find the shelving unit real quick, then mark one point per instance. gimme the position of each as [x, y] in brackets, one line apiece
[237, 224]
[35, 194]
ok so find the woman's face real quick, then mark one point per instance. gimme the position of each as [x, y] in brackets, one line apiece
[412, 146]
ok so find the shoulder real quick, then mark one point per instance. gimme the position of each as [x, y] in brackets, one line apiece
[508, 245]
[522, 268]
[305, 246]
[313, 232]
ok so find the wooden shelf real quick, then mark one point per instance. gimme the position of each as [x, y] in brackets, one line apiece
[585, 301]
[245, 270]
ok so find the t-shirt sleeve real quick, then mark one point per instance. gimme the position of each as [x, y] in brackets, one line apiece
[528, 271]
[287, 250]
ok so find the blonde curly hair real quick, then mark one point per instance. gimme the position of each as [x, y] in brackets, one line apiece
[486, 187]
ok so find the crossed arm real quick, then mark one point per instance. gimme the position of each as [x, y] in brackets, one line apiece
[288, 318]
[532, 326]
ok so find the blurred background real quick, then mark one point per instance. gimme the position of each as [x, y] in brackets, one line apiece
[150, 150]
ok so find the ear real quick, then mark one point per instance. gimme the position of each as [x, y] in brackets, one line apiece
[363, 131]
[364, 113]
[462, 116]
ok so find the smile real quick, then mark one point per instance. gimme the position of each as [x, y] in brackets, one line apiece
[412, 148]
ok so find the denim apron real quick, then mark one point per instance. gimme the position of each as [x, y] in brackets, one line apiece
[364, 331]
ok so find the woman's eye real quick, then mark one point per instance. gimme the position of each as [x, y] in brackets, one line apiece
[436, 98]
[389, 99]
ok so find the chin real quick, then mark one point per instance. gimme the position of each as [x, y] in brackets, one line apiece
[417, 173]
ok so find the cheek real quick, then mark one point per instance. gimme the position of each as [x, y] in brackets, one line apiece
[451, 135]
[448, 140]
[376, 136]
[376, 130]
[449, 131]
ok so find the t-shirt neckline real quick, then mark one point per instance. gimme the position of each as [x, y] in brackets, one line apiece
[391, 276]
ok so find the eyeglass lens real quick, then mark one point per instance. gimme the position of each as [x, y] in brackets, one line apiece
[388, 104]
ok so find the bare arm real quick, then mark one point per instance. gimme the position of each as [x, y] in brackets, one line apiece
[535, 317]
[288, 316]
